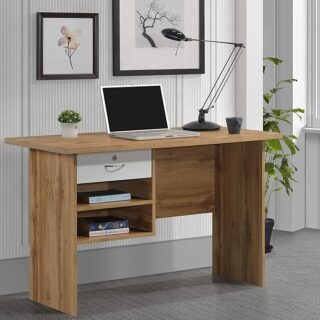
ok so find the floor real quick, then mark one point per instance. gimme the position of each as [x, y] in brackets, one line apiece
[292, 292]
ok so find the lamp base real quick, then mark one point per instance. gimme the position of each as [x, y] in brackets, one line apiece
[201, 126]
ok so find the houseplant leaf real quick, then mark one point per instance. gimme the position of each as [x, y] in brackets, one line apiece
[274, 145]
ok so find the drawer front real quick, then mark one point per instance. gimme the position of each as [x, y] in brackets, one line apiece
[185, 180]
[113, 166]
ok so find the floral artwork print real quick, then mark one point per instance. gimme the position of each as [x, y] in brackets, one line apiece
[67, 45]
[69, 42]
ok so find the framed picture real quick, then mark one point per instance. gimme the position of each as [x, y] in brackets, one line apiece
[139, 48]
[67, 46]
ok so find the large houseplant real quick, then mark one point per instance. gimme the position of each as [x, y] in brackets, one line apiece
[279, 169]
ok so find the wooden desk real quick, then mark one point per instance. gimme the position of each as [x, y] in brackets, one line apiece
[215, 172]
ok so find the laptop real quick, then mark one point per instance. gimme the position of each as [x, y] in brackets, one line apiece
[138, 112]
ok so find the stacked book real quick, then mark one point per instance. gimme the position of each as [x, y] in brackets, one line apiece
[94, 197]
[102, 226]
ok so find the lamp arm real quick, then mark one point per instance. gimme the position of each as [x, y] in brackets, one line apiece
[225, 79]
[218, 79]
[235, 44]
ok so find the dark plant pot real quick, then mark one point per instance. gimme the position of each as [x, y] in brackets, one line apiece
[269, 228]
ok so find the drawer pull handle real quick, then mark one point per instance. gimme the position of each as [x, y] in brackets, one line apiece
[114, 167]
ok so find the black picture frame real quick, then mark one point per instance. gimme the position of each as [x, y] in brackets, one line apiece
[95, 63]
[117, 71]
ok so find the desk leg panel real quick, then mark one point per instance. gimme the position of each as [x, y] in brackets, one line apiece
[53, 223]
[239, 219]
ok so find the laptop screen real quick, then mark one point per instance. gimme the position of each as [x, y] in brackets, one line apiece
[130, 108]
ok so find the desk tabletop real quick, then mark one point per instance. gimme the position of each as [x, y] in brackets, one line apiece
[101, 142]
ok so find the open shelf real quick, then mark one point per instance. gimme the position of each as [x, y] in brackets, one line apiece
[139, 211]
[132, 234]
[82, 207]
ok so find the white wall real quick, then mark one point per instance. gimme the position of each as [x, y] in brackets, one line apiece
[30, 107]
[313, 180]
[312, 135]
[120, 262]
[249, 77]
[285, 25]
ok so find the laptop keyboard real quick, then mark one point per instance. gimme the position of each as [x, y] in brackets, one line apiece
[154, 134]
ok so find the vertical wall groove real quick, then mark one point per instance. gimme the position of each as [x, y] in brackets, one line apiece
[25, 112]
[11, 120]
[30, 107]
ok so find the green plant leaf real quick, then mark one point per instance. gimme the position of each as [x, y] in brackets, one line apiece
[275, 90]
[267, 97]
[275, 61]
[287, 187]
[280, 156]
[293, 137]
[269, 169]
[291, 145]
[271, 126]
[288, 81]
[274, 145]
[297, 110]
[277, 112]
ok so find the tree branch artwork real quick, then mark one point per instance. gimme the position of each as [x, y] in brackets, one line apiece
[155, 14]
[69, 42]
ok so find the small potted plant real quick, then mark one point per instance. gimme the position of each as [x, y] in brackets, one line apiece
[69, 121]
[279, 169]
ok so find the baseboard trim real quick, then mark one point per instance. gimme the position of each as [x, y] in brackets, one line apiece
[120, 263]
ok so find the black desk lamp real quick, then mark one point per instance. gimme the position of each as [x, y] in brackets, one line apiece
[202, 124]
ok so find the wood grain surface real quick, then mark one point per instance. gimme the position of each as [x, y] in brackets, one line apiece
[53, 231]
[110, 205]
[238, 224]
[215, 172]
[131, 235]
[101, 142]
[184, 180]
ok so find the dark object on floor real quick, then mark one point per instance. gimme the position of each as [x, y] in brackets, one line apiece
[269, 228]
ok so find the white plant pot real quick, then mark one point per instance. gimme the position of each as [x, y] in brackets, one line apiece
[69, 130]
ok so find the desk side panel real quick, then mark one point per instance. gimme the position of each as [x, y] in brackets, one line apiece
[184, 180]
[53, 223]
[239, 222]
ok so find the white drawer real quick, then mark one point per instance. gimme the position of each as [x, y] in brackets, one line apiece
[112, 166]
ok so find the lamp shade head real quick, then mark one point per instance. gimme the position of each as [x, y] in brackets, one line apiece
[173, 34]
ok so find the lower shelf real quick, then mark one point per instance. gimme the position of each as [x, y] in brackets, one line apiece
[132, 234]
[111, 205]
